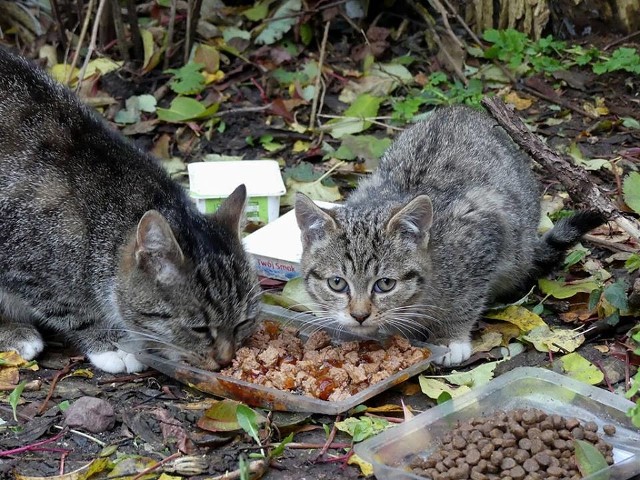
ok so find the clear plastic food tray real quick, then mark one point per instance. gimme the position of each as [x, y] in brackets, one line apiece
[525, 387]
[271, 398]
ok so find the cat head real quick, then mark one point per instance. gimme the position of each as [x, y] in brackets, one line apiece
[366, 268]
[197, 299]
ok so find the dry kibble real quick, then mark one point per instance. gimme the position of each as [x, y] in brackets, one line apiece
[523, 444]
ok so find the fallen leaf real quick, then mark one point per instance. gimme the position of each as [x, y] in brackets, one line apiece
[96, 466]
[544, 339]
[561, 290]
[283, 19]
[631, 190]
[487, 341]
[9, 377]
[101, 66]
[362, 428]
[602, 348]
[365, 467]
[519, 316]
[222, 417]
[473, 378]
[11, 359]
[588, 458]
[131, 466]
[508, 331]
[387, 408]
[578, 367]
[434, 388]
[314, 190]
[354, 119]
[183, 109]
[296, 291]
[518, 102]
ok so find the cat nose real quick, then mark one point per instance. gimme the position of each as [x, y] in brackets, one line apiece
[360, 317]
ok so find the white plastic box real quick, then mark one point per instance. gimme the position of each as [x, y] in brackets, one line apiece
[277, 247]
[211, 182]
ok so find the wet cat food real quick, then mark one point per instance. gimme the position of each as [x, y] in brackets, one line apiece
[523, 444]
[276, 356]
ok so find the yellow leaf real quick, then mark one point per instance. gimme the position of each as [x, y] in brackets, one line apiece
[433, 388]
[508, 331]
[601, 348]
[82, 372]
[11, 359]
[578, 367]
[165, 476]
[487, 341]
[365, 467]
[409, 388]
[213, 77]
[301, 146]
[60, 72]
[95, 466]
[518, 102]
[388, 408]
[9, 377]
[101, 66]
[519, 316]
[152, 53]
[544, 339]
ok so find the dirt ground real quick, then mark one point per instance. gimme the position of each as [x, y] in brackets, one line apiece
[144, 403]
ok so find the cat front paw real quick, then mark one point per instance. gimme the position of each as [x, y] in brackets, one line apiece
[458, 353]
[116, 362]
[30, 349]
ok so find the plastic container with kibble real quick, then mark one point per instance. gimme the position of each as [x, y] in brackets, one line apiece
[393, 452]
[270, 398]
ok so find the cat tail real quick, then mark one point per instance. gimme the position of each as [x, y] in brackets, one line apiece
[568, 231]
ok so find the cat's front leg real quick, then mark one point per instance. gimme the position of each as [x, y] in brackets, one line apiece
[459, 352]
[99, 345]
[21, 337]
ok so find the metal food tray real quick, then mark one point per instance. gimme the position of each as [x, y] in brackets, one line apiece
[525, 387]
[271, 398]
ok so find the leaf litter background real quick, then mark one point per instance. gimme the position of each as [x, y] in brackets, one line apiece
[324, 92]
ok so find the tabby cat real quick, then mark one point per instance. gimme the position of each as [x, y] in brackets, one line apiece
[446, 225]
[98, 244]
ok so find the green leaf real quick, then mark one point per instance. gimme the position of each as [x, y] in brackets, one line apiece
[147, 103]
[14, 398]
[354, 119]
[630, 123]
[183, 109]
[561, 290]
[578, 367]
[279, 449]
[282, 21]
[63, 405]
[574, 257]
[248, 421]
[259, 11]
[632, 263]
[631, 190]
[220, 417]
[187, 80]
[588, 458]
[306, 33]
[435, 388]
[363, 427]
[616, 295]
[473, 378]
[296, 291]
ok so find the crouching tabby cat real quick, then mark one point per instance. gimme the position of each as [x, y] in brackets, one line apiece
[98, 244]
[447, 224]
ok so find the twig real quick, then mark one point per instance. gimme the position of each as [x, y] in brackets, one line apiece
[574, 179]
[606, 377]
[118, 24]
[316, 92]
[169, 38]
[54, 382]
[257, 467]
[193, 16]
[621, 40]
[83, 32]
[157, 465]
[129, 378]
[330, 437]
[26, 448]
[82, 434]
[445, 20]
[614, 246]
[92, 41]
[132, 18]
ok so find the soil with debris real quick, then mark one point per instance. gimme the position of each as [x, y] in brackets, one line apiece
[155, 416]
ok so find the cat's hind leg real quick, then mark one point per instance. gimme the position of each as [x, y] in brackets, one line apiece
[21, 337]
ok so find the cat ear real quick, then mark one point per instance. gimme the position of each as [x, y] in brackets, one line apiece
[314, 222]
[231, 212]
[414, 219]
[157, 249]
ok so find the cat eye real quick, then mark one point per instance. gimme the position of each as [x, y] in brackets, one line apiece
[337, 284]
[384, 285]
[204, 329]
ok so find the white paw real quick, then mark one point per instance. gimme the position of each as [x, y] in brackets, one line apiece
[458, 353]
[116, 362]
[30, 349]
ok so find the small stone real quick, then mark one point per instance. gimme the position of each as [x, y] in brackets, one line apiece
[91, 414]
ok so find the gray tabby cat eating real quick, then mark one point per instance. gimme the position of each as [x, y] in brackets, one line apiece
[445, 226]
[98, 244]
